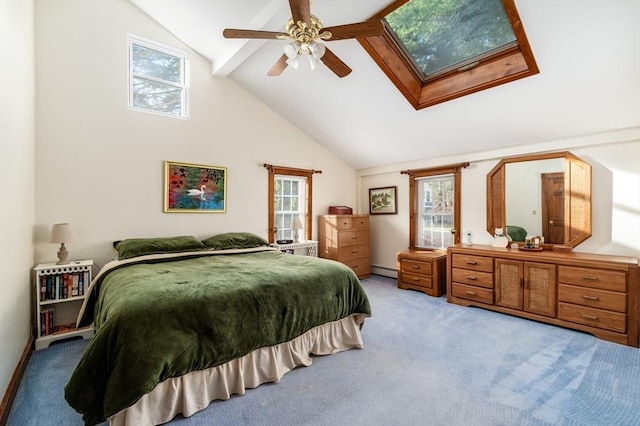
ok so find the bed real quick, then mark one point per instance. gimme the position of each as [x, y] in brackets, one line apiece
[182, 323]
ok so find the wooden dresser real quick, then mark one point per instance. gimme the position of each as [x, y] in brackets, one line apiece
[597, 294]
[424, 271]
[345, 238]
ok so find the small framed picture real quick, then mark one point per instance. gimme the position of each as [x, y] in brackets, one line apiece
[383, 200]
[194, 188]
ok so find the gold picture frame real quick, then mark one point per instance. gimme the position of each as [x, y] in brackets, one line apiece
[194, 188]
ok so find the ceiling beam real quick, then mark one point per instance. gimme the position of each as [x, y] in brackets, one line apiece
[271, 17]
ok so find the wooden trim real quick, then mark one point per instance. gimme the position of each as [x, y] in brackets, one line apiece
[14, 383]
[440, 170]
[455, 170]
[577, 186]
[290, 171]
[511, 63]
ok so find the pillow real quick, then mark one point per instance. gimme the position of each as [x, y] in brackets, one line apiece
[235, 240]
[140, 246]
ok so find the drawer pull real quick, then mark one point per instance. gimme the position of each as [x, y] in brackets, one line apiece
[472, 278]
[590, 317]
[589, 278]
[354, 238]
[471, 293]
[593, 298]
[354, 252]
[471, 262]
[415, 267]
[416, 279]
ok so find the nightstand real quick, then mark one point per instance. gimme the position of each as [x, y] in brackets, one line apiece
[60, 291]
[425, 271]
[304, 248]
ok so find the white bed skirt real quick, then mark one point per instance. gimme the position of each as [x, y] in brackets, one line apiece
[194, 391]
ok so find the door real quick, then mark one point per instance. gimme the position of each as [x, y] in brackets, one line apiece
[509, 288]
[540, 288]
[526, 286]
[553, 208]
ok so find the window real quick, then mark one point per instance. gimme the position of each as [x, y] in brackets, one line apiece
[289, 202]
[435, 220]
[434, 195]
[157, 78]
[438, 50]
[290, 196]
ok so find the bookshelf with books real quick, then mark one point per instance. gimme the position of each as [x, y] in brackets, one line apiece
[60, 291]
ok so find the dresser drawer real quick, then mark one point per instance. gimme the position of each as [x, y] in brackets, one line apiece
[347, 252]
[475, 263]
[360, 266]
[351, 222]
[595, 278]
[475, 278]
[472, 293]
[351, 237]
[415, 266]
[593, 317]
[602, 299]
[417, 279]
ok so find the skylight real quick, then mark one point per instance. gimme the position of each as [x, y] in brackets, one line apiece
[437, 50]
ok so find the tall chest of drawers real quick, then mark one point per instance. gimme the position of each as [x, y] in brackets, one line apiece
[345, 238]
[597, 294]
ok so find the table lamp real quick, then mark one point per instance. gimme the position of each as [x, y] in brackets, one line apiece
[62, 233]
[296, 225]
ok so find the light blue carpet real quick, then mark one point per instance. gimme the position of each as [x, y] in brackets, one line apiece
[425, 362]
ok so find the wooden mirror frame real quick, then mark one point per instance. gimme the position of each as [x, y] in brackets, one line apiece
[577, 202]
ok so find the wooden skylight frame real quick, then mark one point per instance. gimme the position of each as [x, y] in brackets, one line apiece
[509, 64]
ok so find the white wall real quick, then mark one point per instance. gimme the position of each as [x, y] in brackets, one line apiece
[615, 159]
[100, 165]
[16, 175]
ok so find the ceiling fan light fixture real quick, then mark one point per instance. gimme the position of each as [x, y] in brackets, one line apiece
[313, 62]
[304, 29]
[292, 50]
[317, 50]
[293, 62]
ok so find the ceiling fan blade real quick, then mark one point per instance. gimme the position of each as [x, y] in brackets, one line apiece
[278, 67]
[335, 64]
[361, 29]
[301, 11]
[234, 33]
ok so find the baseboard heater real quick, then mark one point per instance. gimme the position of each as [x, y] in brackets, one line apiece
[384, 271]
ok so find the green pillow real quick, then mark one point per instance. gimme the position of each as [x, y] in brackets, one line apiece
[141, 246]
[235, 240]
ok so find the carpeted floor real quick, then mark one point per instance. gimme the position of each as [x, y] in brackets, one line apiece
[425, 362]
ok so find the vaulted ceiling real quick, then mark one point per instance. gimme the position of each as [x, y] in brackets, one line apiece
[588, 53]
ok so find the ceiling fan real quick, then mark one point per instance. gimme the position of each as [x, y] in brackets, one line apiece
[306, 31]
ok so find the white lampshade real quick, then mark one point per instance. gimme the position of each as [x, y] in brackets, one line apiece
[297, 223]
[61, 233]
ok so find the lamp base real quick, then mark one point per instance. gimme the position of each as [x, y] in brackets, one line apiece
[63, 255]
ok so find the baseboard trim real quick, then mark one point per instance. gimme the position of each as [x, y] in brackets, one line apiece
[14, 383]
[384, 271]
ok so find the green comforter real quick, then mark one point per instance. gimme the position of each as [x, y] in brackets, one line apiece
[161, 318]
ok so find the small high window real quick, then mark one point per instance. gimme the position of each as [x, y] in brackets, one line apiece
[157, 78]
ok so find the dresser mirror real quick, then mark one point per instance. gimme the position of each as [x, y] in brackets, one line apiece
[546, 195]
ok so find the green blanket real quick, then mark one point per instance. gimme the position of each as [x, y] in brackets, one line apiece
[161, 318]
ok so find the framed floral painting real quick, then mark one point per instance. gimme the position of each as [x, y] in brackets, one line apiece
[194, 188]
[383, 200]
